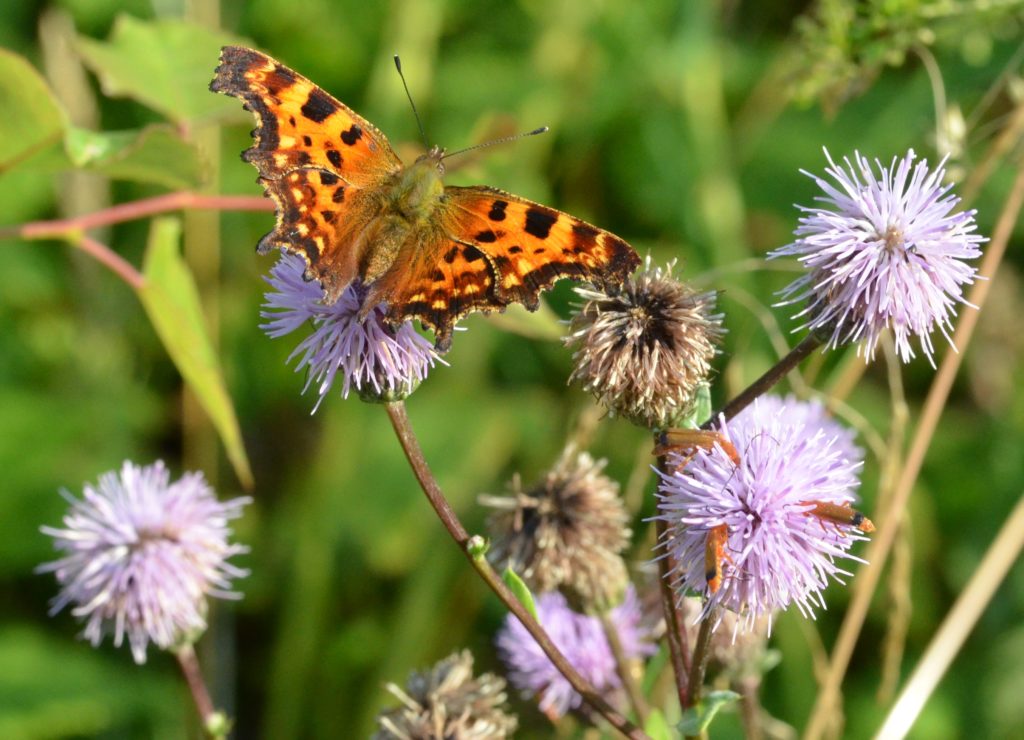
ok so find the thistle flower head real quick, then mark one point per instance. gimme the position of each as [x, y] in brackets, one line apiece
[142, 555]
[448, 702]
[777, 549]
[644, 351]
[583, 642]
[566, 532]
[380, 362]
[884, 251]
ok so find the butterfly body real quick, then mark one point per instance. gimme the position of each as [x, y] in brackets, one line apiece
[355, 213]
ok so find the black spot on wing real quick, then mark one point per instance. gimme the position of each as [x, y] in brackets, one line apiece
[328, 216]
[515, 249]
[352, 135]
[334, 157]
[486, 236]
[307, 141]
[497, 212]
[586, 235]
[539, 221]
[339, 194]
[451, 254]
[472, 254]
[285, 74]
[279, 79]
[318, 106]
[328, 178]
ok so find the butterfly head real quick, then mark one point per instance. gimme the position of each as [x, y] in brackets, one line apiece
[434, 157]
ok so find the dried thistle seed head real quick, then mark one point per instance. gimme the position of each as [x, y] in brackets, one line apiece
[644, 351]
[447, 702]
[566, 532]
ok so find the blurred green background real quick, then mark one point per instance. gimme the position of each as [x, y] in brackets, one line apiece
[681, 126]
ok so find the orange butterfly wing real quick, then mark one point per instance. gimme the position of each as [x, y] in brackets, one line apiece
[531, 246]
[437, 280]
[314, 155]
[489, 249]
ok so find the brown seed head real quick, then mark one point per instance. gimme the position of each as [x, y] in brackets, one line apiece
[564, 533]
[447, 702]
[644, 351]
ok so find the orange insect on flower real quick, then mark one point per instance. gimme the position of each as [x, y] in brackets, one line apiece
[690, 440]
[841, 514]
[714, 555]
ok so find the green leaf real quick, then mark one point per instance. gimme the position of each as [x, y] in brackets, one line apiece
[540, 324]
[172, 303]
[657, 727]
[156, 154]
[32, 120]
[521, 591]
[697, 719]
[165, 64]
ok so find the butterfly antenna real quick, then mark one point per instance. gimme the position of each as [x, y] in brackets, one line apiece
[502, 140]
[416, 113]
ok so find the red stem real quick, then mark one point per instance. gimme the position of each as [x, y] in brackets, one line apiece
[196, 685]
[183, 200]
[111, 259]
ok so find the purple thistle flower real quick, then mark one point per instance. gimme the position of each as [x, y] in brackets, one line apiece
[812, 416]
[884, 252]
[581, 639]
[380, 362]
[777, 552]
[142, 555]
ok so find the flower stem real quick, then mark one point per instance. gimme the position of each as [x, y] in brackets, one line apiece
[622, 666]
[413, 453]
[183, 200]
[760, 386]
[674, 625]
[189, 664]
[750, 708]
[701, 653]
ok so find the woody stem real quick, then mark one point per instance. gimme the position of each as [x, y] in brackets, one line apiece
[760, 386]
[471, 547]
[674, 625]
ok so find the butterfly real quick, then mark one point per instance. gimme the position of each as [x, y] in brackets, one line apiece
[348, 206]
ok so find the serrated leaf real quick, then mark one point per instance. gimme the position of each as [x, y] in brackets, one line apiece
[521, 591]
[164, 64]
[657, 727]
[32, 120]
[171, 299]
[541, 324]
[696, 720]
[156, 154]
